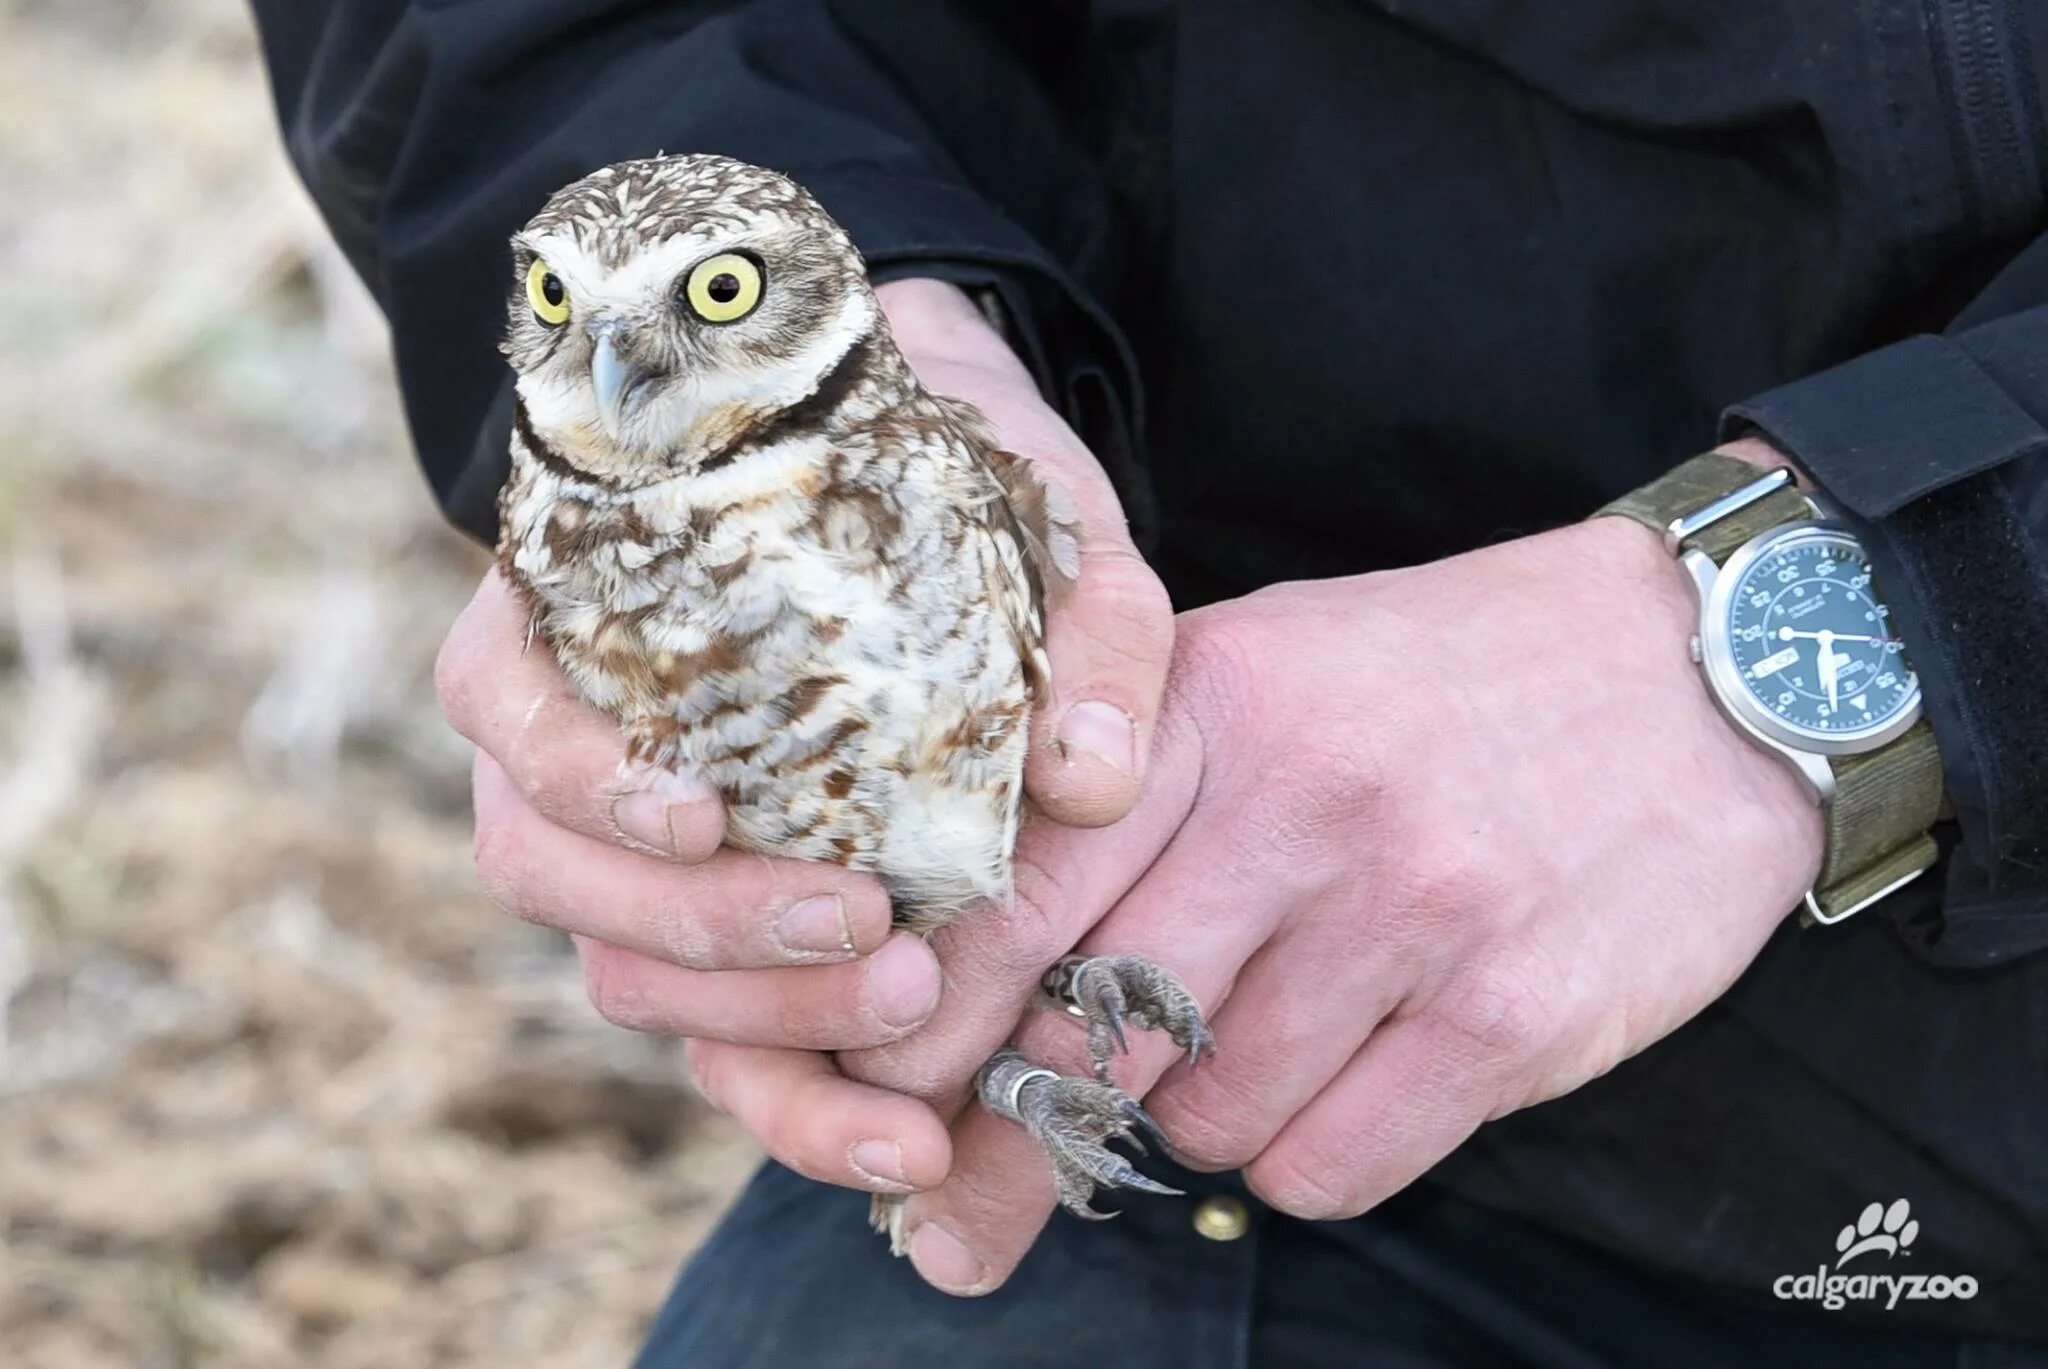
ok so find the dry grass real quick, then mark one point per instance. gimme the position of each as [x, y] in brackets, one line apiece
[276, 1086]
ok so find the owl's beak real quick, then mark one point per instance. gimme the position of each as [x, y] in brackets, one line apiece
[620, 383]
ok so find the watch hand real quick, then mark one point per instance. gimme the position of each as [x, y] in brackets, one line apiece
[1829, 663]
[1786, 634]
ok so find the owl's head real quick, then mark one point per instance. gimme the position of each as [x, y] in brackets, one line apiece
[661, 308]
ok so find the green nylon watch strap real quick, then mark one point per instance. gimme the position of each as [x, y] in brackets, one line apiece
[1698, 483]
[1884, 800]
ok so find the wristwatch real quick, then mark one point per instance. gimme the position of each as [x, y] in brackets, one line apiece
[1795, 646]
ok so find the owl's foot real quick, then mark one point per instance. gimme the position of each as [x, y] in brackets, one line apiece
[1110, 991]
[1072, 1119]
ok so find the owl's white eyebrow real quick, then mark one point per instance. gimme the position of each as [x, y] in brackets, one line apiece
[552, 244]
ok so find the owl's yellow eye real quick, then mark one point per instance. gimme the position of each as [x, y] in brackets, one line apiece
[724, 288]
[546, 293]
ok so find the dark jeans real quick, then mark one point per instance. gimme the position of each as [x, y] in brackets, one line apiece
[793, 1279]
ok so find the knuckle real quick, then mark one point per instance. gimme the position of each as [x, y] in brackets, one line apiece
[824, 1020]
[1209, 1130]
[456, 673]
[1342, 784]
[905, 1063]
[703, 1061]
[1305, 828]
[796, 1019]
[1215, 675]
[1134, 612]
[984, 1207]
[682, 935]
[996, 1208]
[1506, 1012]
[543, 766]
[1115, 634]
[614, 990]
[1442, 880]
[1295, 1178]
[499, 853]
[807, 1131]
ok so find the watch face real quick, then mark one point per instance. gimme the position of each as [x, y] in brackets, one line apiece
[1810, 641]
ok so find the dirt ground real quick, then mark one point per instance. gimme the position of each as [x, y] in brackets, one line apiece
[277, 1086]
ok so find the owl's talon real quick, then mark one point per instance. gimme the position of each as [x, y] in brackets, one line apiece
[1074, 1119]
[1109, 991]
[1126, 1175]
[1112, 1016]
[1146, 1126]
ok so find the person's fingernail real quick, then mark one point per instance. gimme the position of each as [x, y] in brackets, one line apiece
[816, 924]
[647, 814]
[881, 1163]
[944, 1261]
[903, 981]
[1103, 732]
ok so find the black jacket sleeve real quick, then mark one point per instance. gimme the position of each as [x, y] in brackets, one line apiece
[1937, 447]
[429, 132]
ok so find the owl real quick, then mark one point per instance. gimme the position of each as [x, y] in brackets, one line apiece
[756, 541]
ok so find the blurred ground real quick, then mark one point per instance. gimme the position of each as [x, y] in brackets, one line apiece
[277, 1087]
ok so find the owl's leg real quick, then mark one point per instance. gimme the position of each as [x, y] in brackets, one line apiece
[1072, 1119]
[1112, 990]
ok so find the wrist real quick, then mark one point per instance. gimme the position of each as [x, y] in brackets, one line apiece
[1754, 810]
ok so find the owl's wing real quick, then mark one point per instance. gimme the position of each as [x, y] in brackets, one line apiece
[1041, 517]
[1045, 551]
[1038, 523]
[1044, 522]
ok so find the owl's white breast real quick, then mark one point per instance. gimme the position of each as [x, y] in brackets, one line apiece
[819, 628]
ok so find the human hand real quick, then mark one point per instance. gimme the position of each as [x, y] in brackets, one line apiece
[1452, 841]
[769, 962]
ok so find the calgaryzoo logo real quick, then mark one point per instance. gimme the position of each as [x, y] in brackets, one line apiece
[1880, 1230]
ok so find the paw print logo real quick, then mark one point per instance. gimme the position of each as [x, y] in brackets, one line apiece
[1889, 1229]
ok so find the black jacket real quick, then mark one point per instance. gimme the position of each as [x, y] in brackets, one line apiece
[1333, 285]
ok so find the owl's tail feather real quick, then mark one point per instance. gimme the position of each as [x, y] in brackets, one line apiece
[885, 1215]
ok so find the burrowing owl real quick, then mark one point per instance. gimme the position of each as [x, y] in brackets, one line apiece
[752, 537]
